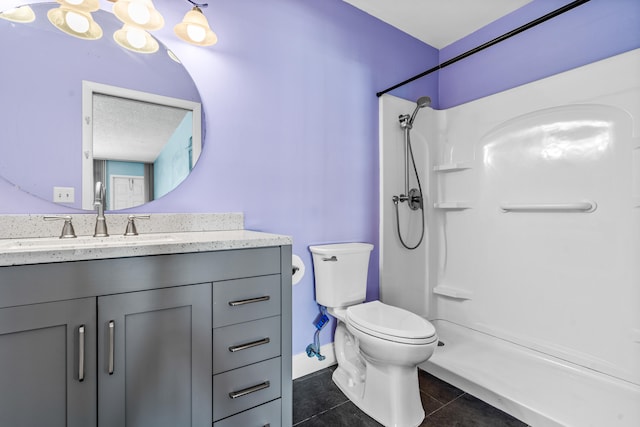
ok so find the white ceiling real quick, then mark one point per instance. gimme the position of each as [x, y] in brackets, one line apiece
[130, 130]
[438, 22]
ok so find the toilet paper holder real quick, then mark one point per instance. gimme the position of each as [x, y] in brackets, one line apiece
[297, 269]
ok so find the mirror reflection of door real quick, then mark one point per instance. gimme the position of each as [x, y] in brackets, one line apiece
[127, 184]
[126, 191]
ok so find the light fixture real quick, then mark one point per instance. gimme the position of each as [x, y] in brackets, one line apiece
[138, 13]
[138, 17]
[22, 14]
[136, 39]
[194, 28]
[74, 18]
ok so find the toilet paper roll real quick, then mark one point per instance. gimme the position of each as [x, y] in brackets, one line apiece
[298, 269]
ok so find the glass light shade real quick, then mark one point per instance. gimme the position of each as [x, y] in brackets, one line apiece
[195, 29]
[76, 23]
[136, 39]
[81, 5]
[22, 14]
[139, 13]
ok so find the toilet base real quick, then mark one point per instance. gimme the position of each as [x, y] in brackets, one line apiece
[387, 393]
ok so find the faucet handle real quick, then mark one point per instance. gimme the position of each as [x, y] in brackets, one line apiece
[67, 229]
[131, 225]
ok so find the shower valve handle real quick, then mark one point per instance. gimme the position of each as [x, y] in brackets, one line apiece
[414, 199]
[401, 198]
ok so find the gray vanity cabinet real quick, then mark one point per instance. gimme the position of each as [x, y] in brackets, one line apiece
[47, 355]
[154, 358]
[176, 340]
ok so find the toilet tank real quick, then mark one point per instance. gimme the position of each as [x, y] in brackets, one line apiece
[340, 272]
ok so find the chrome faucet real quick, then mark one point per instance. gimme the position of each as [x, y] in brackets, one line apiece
[98, 203]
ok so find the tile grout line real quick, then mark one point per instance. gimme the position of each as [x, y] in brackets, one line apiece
[321, 413]
[443, 406]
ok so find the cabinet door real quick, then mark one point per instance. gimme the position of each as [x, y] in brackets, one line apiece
[47, 364]
[154, 358]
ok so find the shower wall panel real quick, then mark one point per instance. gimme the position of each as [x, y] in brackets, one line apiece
[403, 273]
[554, 274]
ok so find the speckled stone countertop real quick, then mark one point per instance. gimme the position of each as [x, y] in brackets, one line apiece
[28, 239]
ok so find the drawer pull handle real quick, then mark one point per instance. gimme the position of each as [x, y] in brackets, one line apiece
[81, 353]
[248, 345]
[249, 301]
[244, 392]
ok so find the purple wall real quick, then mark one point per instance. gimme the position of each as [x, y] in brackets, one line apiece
[291, 122]
[593, 31]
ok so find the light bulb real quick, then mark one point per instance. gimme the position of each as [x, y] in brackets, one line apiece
[77, 22]
[136, 38]
[195, 29]
[196, 33]
[139, 13]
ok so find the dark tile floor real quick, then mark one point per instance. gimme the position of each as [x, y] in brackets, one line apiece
[317, 401]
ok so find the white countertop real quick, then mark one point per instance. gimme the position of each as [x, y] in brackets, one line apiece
[48, 249]
[40, 251]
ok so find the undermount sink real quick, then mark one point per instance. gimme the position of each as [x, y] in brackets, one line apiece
[82, 242]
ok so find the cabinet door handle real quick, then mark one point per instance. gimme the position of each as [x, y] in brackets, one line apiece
[112, 331]
[249, 301]
[81, 353]
[249, 390]
[248, 345]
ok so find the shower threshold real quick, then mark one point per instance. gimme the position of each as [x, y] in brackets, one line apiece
[538, 389]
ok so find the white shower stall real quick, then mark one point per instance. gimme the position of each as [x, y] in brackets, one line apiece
[530, 268]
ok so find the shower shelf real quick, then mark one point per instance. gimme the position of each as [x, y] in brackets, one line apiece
[452, 205]
[452, 167]
[636, 202]
[452, 292]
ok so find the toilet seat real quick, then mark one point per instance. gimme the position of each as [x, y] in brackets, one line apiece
[390, 323]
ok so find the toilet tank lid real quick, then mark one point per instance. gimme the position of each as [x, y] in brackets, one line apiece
[341, 248]
[390, 320]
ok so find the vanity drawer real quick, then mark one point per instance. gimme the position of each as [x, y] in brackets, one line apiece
[245, 343]
[242, 300]
[240, 389]
[269, 414]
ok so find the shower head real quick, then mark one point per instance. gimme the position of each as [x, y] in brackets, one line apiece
[423, 101]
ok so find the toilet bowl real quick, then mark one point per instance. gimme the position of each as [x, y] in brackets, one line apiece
[378, 347]
[377, 362]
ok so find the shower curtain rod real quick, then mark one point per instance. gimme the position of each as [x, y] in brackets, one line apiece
[497, 40]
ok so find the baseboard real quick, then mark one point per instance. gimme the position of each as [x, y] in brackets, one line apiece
[305, 365]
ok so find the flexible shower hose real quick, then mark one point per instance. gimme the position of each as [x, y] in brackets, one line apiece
[395, 201]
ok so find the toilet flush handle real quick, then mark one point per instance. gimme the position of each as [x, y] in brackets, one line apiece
[333, 258]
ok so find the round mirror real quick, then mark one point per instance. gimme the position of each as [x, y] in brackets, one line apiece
[78, 111]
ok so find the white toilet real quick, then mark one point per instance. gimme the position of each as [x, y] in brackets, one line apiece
[378, 347]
